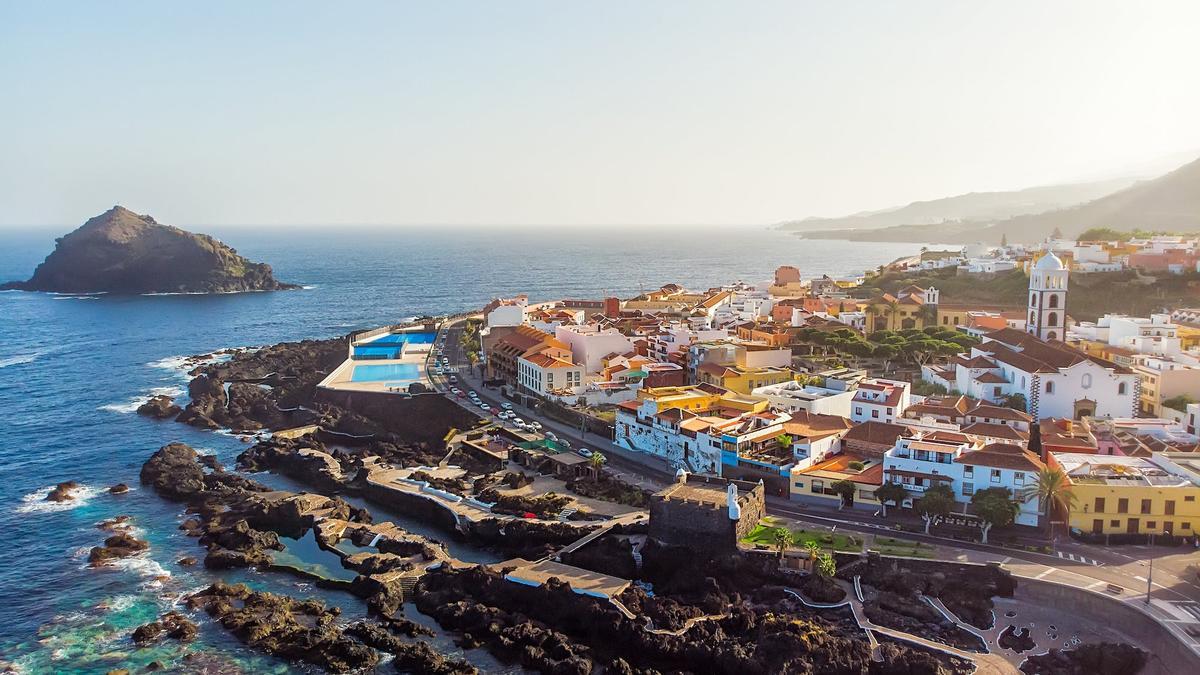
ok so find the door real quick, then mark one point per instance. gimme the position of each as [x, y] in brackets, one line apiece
[1133, 525]
[1098, 526]
[1169, 527]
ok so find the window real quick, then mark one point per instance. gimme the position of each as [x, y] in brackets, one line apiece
[1114, 523]
[1189, 498]
[1121, 389]
[1122, 505]
[996, 392]
[1099, 508]
[1052, 319]
[1185, 525]
[818, 487]
[1086, 380]
[1019, 478]
[995, 475]
[968, 489]
[1033, 300]
[1152, 524]
[874, 413]
[1049, 387]
[857, 410]
[1145, 506]
[968, 471]
[1053, 304]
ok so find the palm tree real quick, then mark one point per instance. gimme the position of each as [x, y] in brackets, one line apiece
[784, 440]
[1054, 493]
[927, 314]
[783, 539]
[893, 309]
[597, 460]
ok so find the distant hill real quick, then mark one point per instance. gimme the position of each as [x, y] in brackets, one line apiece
[1168, 203]
[974, 207]
[120, 251]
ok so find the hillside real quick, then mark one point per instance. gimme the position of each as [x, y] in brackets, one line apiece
[974, 207]
[1089, 295]
[1170, 202]
[120, 251]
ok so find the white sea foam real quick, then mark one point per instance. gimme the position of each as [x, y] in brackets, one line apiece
[134, 403]
[170, 363]
[19, 359]
[120, 603]
[35, 502]
[308, 287]
[76, 297]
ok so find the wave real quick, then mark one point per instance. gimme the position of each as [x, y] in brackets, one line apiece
[76, 297]
[136, 402]
[308, 287]
[19, 359]
[35, 502]
[145, 567]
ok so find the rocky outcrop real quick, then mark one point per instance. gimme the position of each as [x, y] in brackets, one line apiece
[159, 407]
[63, 492]
[410, 657]
[118, 489]
[172, 625]
[120, 545]
[1106, 658]
[304, 631]
[120, 251]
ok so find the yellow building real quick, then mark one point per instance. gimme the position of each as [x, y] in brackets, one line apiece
[698, 399]
[743, 379]
[1115, 494]
[911, 307]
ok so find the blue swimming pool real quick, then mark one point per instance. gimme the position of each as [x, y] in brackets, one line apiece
[398, 373]
[389, 346]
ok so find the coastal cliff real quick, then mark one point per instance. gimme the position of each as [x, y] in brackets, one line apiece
[120, 251]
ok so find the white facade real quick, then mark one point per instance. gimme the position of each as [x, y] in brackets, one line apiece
[1048, 298]
[508, 314]
[546, 376]
[793, 396]
[590, 344]
[878, 400]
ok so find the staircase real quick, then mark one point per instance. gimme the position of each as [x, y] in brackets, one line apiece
[408, 585]
[636, 552]
[566, 513]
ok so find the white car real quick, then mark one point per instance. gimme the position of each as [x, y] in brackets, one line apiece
[585, 452]
[484, 406]
[519, 423]
[537, 425]
[506, 406]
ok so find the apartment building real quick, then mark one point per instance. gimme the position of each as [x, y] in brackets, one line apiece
[1130, 495]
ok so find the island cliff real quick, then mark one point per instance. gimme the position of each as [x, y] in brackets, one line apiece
[120, 251]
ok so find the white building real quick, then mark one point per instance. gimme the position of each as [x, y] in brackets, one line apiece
[1048, 298]
[1056, 380]
[920, 462]
[590, 344]
[880, 400]
[831, 399]
[676, 338]
[549, 372]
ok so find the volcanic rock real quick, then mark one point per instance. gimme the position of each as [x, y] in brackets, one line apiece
[159, 407]
[63, 492]
[120, 251]
[120, 545]
[118, 489]
[172, 624]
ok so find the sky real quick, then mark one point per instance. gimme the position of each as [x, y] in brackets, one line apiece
[572, 113]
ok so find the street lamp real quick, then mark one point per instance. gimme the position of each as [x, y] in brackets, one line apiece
[1150, 574]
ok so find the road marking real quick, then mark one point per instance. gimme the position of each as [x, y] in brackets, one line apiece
[1048, 570]
[1007, 559]
[1094, 584]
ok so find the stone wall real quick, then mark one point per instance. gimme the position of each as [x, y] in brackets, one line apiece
[1168, 654]
[706, 527]
[422, 418]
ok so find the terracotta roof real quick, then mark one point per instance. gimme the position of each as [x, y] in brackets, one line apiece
[999, 413]
[546, 361]
[990, 378]
[880, 433]
[631, 406]
[1002, 456]
[815, 425]
[995, 431]
[839, 465]
[942, 436]
[713, 369]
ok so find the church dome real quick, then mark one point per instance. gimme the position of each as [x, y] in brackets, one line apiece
[1049, 262]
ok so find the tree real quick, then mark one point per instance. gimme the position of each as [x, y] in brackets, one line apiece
[934, 505]
[844, 489]
[1014, 401]
[1054, 493]
[927, 314]
[995, 507]
[826, 566]
[597, 460]
[890, 492]
[784, 440]
[783, 539]
[1179, 402]
[814, 551]
[887, 353]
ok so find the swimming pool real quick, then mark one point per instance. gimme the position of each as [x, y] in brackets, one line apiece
[390, 345]
[397, 373]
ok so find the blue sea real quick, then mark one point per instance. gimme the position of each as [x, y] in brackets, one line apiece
[74, 368]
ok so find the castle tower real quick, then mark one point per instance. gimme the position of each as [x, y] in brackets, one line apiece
[1048, 298]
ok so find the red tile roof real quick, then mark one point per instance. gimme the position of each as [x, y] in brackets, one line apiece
[1003, 456]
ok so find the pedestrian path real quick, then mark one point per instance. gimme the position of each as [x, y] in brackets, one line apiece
[1079, 559]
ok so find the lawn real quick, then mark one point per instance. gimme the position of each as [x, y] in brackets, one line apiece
[901, 547]
[764, 534]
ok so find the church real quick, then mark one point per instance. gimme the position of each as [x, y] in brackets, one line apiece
[1055, 380]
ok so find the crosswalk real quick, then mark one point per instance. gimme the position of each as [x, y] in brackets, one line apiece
[1191, 607]
[1079, 559]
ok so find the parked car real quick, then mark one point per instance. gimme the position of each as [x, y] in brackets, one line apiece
[537, 425]
[519, 423]
[585, 452]
[454, 378]
[506, 406]
[549, 434]
[484, 406]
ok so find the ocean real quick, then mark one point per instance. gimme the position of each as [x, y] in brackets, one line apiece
[74, 368]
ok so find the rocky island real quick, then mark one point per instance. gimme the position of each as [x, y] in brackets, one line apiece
[120, 251]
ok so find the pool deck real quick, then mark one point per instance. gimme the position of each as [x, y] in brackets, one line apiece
[414, 355]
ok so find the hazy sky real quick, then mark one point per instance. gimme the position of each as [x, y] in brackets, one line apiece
[573, 112]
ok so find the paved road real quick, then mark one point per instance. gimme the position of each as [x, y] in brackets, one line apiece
[1176, 591]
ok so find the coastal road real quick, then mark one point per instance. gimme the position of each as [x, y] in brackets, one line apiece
[1176, 589]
